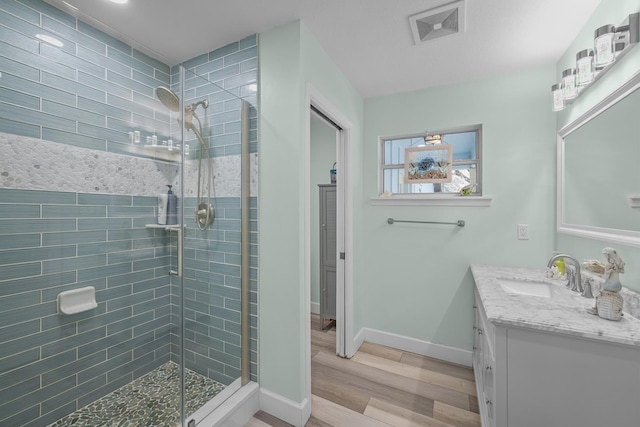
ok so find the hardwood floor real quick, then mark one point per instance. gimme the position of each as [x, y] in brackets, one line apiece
[382, 386]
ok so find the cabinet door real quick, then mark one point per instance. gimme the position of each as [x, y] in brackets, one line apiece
[328, 293]
[328, 226]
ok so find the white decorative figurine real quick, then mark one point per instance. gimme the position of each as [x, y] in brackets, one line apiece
[609, 303]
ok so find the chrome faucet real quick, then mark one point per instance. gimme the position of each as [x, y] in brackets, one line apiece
[574, 278]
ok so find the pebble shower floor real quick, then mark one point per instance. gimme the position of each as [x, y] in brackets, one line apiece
[152, 400]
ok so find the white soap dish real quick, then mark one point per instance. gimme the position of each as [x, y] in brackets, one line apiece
[77, 300]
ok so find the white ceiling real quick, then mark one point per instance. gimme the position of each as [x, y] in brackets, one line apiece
[369, 40]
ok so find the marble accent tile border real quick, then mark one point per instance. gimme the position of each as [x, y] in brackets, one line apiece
[36, 164]
[151, 400]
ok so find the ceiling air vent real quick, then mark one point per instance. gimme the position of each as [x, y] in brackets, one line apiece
[442, 21]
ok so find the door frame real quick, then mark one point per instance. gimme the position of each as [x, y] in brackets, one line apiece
[344, 238]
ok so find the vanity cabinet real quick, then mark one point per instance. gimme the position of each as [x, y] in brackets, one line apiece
[328, 253]
[527, 377]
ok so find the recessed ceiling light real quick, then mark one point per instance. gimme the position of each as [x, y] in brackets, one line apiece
[49, 39]
[119, 1]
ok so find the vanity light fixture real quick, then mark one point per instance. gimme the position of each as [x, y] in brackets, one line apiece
[609, 45]
[433, 139]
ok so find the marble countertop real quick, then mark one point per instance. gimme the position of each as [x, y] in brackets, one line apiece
[564, 313]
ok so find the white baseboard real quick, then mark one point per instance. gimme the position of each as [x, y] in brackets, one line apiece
[296, 413]
[413, 345]
[315, 307]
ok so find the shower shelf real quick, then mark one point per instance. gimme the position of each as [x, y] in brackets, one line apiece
[165, 227]
[174, 149]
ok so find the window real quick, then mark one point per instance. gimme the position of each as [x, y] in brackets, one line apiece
[466, 164]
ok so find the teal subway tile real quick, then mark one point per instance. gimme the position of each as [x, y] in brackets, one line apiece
[210, 66]
[145, 201]
[18, 60]
[128, 301]
[51, 293]
[162, 335]
[36, 254]
[225, 50]
[104, 224]
[103, 85]
[73, 139]
[104, 271]
[159, 325]
[51, 11]
[71, 264]
[130, 323]
[161, 66]
[81, 339]
[103, 37]
[19, 211]
[41, 394]
[36, 196]
[128, 60]
[151, 125]
[72, 86]
[73, 113]
[65, 211]
[14, 331]
[49, 239]
[17, 39]
[102, 133]
[23, 115]
[21, 300]
[127, 369]
[25, 284]
[192, 63]
[248, 41]
[13, 366]
[18, 9]
[136, 277]
[19, 98]
[213, 256]
[130, 256]
[20, 84]
[165, 78]
[83, 42]
[33, 366]
[17, 128]
[151, 304]
[249, 65]
[150, 263]
[100, 57]
[125, 234]
[124, 104]
[241, 55]
[21, 418]
[20, 241]
[210, 321]
[129, 83]
[96, 388]
[146, 79]
[103, 247]
[113, 293]
[147, 284]
[124, 343]
[56, 414]
[232, 371]
[162, 291]
[75, 366]
[223, 357]
[103, 199]
[20, 389]
[9, 272]
[23, 313]
[104, 318]
[226, 269]
[106, 109]
[130, 211]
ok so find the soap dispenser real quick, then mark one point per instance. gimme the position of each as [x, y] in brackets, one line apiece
[172, 207]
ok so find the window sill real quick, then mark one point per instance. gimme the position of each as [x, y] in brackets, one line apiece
[453, 200]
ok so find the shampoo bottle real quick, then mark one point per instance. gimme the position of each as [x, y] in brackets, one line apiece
[172, 207]
[163, 199]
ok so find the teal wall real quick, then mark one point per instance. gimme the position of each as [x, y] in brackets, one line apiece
[289, 59]
[609, 11]
[416, 279]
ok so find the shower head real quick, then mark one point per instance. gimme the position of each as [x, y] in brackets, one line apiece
[168, 98]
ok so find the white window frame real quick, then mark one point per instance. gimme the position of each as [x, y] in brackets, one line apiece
[434, 199]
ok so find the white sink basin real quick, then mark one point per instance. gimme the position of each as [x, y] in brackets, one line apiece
[528, 288]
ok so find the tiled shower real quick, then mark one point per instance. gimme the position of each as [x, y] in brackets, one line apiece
[77, 196]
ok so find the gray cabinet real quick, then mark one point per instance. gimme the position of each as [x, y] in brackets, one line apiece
[328, 253]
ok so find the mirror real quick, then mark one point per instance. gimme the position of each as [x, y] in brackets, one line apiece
[598, 170]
